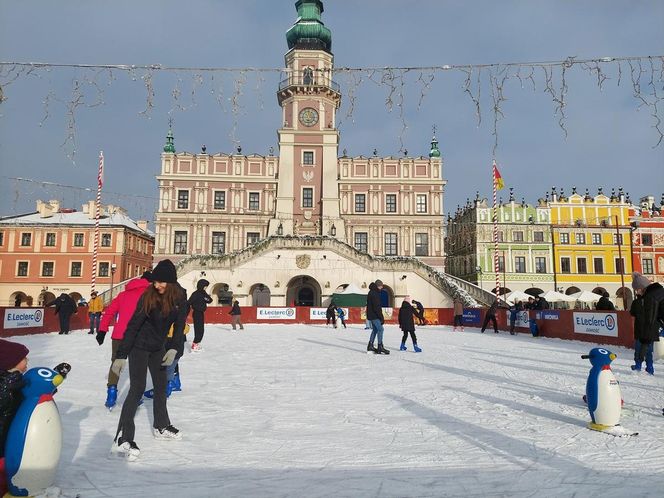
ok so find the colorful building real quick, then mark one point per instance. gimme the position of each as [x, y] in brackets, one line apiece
[525, 254]
[648, 239]
[592, 240]
[294, 227]
[50, 252]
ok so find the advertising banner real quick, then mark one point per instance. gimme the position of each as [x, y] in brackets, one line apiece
[471, 316]
[275, 313]
[319, 313]
[522, 318]
[19, 318]
[605, 324]
[548, 315]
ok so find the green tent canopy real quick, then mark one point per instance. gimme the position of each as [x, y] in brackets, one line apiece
[352, 295]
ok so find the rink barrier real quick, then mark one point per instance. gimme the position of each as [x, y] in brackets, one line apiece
[551, 323]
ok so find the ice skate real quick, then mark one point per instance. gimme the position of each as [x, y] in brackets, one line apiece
[196, 347]
[371, 348]
[111, 397]
[167, 433]
[177, 384]
[403, 347]
[125, 449]
[381, 349]
[417, 348]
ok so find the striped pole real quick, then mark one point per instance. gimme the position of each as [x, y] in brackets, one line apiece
[100, 181]
[495, 230]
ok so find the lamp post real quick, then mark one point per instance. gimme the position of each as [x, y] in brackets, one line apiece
[478, 270]
[113, 268]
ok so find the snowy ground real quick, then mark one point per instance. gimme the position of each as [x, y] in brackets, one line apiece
[303, 411]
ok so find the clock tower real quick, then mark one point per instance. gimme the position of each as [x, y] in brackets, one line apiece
[307, 201]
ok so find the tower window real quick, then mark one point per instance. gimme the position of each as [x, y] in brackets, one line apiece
[360, 203]
[183, 199]
[421, 244]
[421, 203]
[180, 242]
[254, 201]
[218, 242]
[391, 203]
[362, 241]
[308, 158]
[391, 244]
[220, 200]
[307, 197]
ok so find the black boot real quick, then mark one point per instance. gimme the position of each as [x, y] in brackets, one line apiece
[381, 349]
[371, 348]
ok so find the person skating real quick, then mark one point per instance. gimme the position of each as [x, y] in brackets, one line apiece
[198, 302]
[121, 309]
[236, 315]
[65, 307]
[95, 308]
[342, 315]
[604, 304]
[648, 319]
[330, 316]
[375, 317]
[419, 312]
[491, 316]
[458, 313]
[407, 325]
[145, 346]
[514, 312]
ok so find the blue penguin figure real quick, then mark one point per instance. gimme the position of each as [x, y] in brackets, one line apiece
[34, 439]
[602, 390]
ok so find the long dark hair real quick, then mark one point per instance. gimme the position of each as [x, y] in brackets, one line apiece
[165, 302]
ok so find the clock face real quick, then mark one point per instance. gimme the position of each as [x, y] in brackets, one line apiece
[308, 116]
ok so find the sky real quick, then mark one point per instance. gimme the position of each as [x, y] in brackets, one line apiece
[610, 139]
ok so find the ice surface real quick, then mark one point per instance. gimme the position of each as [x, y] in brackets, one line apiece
[303, 411]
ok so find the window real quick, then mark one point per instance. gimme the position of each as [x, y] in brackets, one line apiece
[218, 242]
[647, 266]
[617, 240]
[26, 239]
[104, 269]
[421, 203]
[106, 240]
[620, 265]
[362, 241]
[540, 265]
[75, 269]
[564, 238]
[565, 265]
[598, 265]
[501, 263]
[581, 238]
[360, 203]
[253, 237]
[2, 238]
[520, 264]
[307, 197]
[646, 239]
[47, 268]
[517, 236]
[183, 199]
[597, 239]
[421, 244]
[50, 240]
[220, 200]
[538, 237]
[180, 243]
[501, 236]
[390, 244]
[391, 203]
[581, 266]
[78, 240]
[308, 158]
[22, 270]
[254, 201]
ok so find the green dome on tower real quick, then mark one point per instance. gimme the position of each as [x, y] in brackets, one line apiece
[435, 151]
[309, 32]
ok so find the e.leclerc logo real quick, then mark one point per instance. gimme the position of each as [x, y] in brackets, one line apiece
[610, 322]
[290, 312]
[38, 315]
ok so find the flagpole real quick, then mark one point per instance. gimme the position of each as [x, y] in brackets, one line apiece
[495, 229]
[97, 213]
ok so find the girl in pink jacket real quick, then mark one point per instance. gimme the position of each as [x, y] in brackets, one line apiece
[121, 309]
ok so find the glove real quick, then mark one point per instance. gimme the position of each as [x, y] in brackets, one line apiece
[169, 358]
[118, 365]
[100, 337]
[63, 369]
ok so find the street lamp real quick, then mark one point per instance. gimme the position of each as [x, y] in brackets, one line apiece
[113, 268]
[478, 270]
[333, 231]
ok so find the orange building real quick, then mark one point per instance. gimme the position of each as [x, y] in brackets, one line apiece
[50, 251]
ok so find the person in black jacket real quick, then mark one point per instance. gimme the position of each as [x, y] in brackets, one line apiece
[648, 312]
[604, 304]
[491, 316]
[419, 312]
[407, 324]
[330, 315]
[375, 317]
[65, 307]
[236, 315]
[146, 345]
[198, 302]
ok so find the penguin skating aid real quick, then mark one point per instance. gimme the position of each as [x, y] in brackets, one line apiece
[603, 394]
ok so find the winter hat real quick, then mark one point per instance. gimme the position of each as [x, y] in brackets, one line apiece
[202, 284]
[379, 282]
[407, 299]
[147, 275]
[11, 354]
[639, 281]
[165, 272]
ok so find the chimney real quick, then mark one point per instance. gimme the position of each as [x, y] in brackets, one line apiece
[44, 209]
[143, 225]
[55, 205]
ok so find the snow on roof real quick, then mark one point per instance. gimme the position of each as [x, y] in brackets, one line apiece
[76, 218]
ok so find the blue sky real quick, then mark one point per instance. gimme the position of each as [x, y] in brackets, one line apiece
[609, 143]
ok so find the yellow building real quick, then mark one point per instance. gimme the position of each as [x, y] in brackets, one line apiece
[592, 243]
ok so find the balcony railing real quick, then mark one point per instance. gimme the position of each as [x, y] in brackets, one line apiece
[312, 83]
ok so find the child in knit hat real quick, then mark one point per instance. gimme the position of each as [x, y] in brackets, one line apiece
[13, 363]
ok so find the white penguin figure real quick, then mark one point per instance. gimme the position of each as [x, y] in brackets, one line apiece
[34, 439]
[602, 390]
